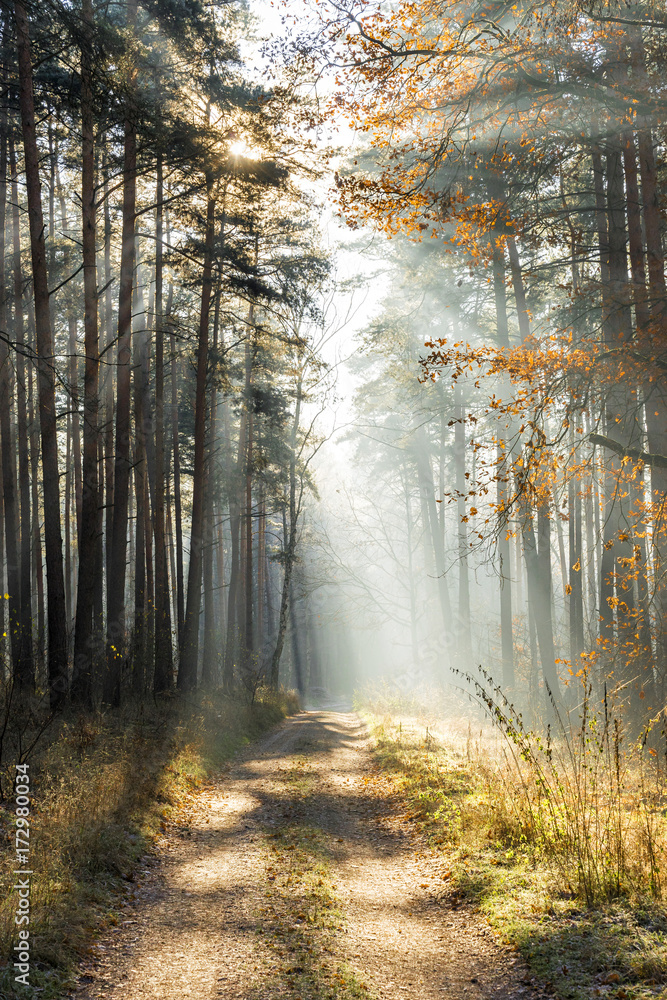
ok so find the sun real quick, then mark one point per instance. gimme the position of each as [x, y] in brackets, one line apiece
[241, 148]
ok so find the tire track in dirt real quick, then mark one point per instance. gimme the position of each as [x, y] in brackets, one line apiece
[191, 930]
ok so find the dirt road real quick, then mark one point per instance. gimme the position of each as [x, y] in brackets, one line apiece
[286, 885]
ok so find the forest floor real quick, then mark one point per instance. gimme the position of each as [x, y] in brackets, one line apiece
[291, 879]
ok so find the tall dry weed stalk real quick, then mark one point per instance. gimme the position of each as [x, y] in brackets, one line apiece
[585, 793]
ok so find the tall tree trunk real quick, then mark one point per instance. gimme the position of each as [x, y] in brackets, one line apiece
[465, 638]
[68, 521]
[502, 473]
[11, 521]
[655, 387]
[412, 590]
[232, 628]
[116, 582]
[26, 656]
[139, 469]
[57, 633]
[111, 355]
[621, 424]
[169, 533]
[268, 590]
[220, 570]
[289, 542]
[248, 625]
[425, 474]
[575, 571]
[3, 588]
[235, 478]
[538, 571]
[162, 677]
[295, 632]
[209, 664]
[261, 567]
[37, 563]
[179, 580]
[537, 553]
[84, 634]
[519, 291]
[635, 243]
[149, 602]
[187, 668]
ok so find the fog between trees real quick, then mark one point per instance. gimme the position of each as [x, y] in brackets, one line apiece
[180, 507]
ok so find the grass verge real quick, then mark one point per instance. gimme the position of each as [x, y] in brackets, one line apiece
[461, 795]
[103, 789]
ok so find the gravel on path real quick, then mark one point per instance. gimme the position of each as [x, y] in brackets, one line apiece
[191, 928]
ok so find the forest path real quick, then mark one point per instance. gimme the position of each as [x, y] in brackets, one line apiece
[285, 886]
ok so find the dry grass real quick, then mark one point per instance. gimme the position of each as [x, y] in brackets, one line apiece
[104, 787]
[562, 844]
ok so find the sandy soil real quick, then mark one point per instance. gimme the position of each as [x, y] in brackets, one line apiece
[191, 928]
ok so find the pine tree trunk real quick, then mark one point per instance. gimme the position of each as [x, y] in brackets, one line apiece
[465, 637]
[84, 635]
[248, 624]
[37, 563]
[108, 382]
[412, 590]
[295, 632]
[3, 588]
[179, 580]
[537, 560]
[116, 582]
[139, 469]
[622, 424]
[26, 655]
[57, 633]
[209, 663]
[231, 636]
[289, 543]
[220, 570]
[655, 388]
[68, 522]
[268, 589]
[11, 522]
[187, 668]
[169, 533]
[538, 571]
[635, 242]
[149, 601]
[208, 660]
[502, 334]
[425, 474]
[261, 567]
[163, 673]
[575, 576]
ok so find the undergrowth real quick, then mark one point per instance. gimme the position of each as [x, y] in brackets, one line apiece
[104, 787]
[559, 841]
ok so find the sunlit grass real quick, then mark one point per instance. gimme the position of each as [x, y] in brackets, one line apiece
[566, 868]
[104, 788]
